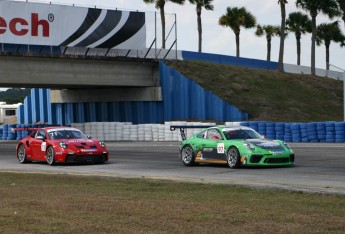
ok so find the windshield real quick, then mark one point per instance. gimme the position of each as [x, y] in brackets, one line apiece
[239, 134]
[66, 134]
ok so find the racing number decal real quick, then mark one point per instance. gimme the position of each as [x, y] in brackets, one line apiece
[220, 148]
[44, 146]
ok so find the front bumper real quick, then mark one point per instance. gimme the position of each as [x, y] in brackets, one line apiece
[97, 158]
[269, 160]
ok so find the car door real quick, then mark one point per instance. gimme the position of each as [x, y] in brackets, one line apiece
[38, 145]
[213, 145]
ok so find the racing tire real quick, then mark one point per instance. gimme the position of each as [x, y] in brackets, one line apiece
[233, 158]
[21, 154]
[50, 156]
[188, 156]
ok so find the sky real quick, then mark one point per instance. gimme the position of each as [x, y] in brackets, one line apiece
[221, 40]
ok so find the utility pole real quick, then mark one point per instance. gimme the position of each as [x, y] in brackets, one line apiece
[343, 86]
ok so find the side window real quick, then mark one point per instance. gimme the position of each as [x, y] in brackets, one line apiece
[214, 134]
[10, 112]
[201, 134]
[41, 133]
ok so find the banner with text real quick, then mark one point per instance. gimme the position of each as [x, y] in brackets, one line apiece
[58, 25]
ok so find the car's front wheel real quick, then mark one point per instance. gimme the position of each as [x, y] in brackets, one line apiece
[233, 157]
[50, 156]
[187, 156]
[21, 154]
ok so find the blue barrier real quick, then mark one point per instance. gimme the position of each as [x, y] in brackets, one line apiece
[11, 135]
[339, 132]
[329, 132]
[4, 131]
[230, 60]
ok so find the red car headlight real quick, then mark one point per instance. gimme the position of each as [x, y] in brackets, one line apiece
[63, 145]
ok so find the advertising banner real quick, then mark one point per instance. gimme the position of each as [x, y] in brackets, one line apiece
[58, 25]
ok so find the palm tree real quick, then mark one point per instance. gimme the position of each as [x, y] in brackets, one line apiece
[282, 34]
[341, 4]
[299, 24]
[235, 18]
[328, 32]
[160, 4]
[270, 31]
[314, 7]
[199, 5]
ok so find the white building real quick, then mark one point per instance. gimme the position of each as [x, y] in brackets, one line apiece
[8, 111]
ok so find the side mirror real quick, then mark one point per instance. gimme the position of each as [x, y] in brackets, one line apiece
[40, 138]
[89, 137]
[263, 137]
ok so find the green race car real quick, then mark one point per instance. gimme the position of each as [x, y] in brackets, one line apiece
[234, 146]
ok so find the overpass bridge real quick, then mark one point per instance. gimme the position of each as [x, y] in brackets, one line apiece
[76, 89]
[83, 79]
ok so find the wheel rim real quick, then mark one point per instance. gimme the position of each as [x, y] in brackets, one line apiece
[21, 153]
[50, 156]
[187, 155]
[232, 157]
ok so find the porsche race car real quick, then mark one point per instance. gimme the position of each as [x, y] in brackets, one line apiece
[234, 146]
[61, 144]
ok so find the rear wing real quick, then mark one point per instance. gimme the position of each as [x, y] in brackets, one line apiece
[183, 127]
[24, 129]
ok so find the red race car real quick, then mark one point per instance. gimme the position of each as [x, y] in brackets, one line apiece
[61, 144]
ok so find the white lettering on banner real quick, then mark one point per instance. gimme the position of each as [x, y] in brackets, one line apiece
[220, 148]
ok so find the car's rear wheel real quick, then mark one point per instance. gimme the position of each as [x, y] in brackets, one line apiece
[21, 154]
[233, 158]
[50, 156]
[187, 156]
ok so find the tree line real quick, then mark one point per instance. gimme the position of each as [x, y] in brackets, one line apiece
[14, 96]
[298, 23]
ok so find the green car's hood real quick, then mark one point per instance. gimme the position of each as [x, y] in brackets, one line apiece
[265, 144]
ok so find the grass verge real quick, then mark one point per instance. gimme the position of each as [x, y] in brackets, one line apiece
[269, 95]
[32, 203]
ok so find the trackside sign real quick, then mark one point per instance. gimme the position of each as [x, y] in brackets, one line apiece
[57, 25]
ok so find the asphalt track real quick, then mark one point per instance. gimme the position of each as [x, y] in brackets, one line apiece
[319, 167]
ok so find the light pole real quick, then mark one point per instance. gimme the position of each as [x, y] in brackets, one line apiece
[343, 86]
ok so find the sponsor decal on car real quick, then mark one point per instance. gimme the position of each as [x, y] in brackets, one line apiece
[220, 148]
[44, 146]
[88, 150]
[275, 152]
[267, 144]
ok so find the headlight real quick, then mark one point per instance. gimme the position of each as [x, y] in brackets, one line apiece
[286, 145]
[63, 145]
[249, 146]
[102, 144]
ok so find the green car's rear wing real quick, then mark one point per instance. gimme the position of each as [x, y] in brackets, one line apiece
[183, 127]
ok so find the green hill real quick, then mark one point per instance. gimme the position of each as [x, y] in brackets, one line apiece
[15, 95]
[269, 95]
